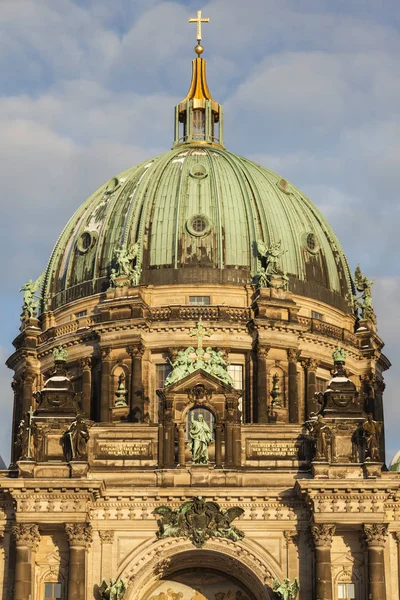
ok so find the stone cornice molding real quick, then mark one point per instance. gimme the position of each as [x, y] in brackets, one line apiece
[322, 534]
[79, 534]
[26, 534]
[375, 534]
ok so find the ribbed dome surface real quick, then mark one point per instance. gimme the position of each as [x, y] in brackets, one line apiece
[197, 213]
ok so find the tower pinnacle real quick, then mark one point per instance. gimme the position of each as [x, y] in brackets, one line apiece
[199, 48]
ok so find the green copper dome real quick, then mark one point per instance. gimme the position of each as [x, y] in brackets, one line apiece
[195, 214]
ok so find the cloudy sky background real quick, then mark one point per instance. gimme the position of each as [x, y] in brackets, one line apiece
[311, 89]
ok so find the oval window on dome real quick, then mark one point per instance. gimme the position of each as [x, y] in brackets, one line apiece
[284, 186]
[112, 185]
[311, 242]
[198, 171]
[198, 225]
[86, 241]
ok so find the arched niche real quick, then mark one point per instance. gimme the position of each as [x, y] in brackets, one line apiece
[169, 560]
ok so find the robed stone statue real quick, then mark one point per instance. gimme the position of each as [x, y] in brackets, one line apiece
[201, 437]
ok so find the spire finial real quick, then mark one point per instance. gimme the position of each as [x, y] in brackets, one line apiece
[199, 48]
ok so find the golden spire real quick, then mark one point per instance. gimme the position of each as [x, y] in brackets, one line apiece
[199, 48]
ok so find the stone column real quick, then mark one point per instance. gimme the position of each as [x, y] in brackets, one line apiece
[27, 539]
[292, 540]
[86, 366]
[375, 536]
[322, 535]
[181, 444]
[105, 385]
[27, 396]
[137, 406]
[79, 537]
[218, 445]
[293, 356]
[310, 364]
[397, 538]
[262, 394]
[107, 540]
[3, 567]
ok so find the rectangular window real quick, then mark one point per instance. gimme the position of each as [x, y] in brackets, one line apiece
[199, 300]
[346, 591]
[162, 372]
[52, 591]
[317, 315]
[236, 372]
[82, 313]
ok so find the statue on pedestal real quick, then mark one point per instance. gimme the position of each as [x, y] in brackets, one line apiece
[372, 434]
[320, 435]
[364, 302]
[76, 439]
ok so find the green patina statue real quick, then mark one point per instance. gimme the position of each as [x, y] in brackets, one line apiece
[198, 520]
[339, 355]
[126, 272]
[201, 437]
[191, 359]
[114, 590]
[269, 273]
[31, 298]
[364, 302]
[60, 354]
[286, 590]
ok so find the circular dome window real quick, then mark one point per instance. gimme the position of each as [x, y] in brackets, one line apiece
[198, 171]
[311, 242]
[284, 186]
[198, 225]
[86, 241]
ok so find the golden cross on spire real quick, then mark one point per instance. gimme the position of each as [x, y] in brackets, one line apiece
[199, 21]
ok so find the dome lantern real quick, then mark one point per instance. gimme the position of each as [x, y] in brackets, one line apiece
[198, 118]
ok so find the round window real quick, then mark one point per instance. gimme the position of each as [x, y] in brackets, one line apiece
[112, 185]
[283, 186]
[86, 241]
[311, 242]
[198, 171]
[198, 225]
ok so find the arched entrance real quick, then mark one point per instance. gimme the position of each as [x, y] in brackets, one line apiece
[199, 583]
[175, 570]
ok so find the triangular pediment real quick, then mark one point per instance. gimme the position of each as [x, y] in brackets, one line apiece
[200, 377]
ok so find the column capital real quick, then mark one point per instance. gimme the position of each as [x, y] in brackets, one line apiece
[293, 354]
[396, 535]
[86, 363]
[311, 364]
[105, 353]
[106, 537]
[291, 537]
[262, 350]
[135, 350]
[322, 534]
[26, 534]
[375, 534]
[79, 534]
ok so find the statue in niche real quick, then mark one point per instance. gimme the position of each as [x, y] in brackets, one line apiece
[31, 299]
[201, 437]
[270, 274]
[372, 435]
[121, 392]
[26, 437]
[276, 392]
[320, 435]
[75, 440]
[114, 590]
[286, 590]
[364, 302]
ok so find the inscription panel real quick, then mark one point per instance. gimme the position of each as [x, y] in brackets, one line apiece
[259, 449]
[124, 449]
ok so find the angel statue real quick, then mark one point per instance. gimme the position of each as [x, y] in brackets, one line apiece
[286, 590]
[363, 285]
[114, 590]
[124, 257]
[170, 523]
[270, 273]
[31, 299]
[223, 523]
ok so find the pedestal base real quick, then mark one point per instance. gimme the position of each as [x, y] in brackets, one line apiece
[372, 470]
[79, 469]
[120, 413]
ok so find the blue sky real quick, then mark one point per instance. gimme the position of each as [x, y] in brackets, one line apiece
[310, 90]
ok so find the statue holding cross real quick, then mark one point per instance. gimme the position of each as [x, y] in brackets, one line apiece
[200, 332]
